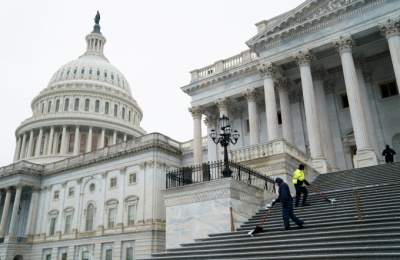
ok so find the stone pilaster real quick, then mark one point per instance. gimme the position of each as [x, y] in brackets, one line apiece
[14, 216]
[197, 113]
[30, 223]
[251, 95]
[283, 85]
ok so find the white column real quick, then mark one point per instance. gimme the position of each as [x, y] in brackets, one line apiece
[45, 145]
[76, 141]
[365, 155]
[17, 149]
[125, 137]
[197, 138]
[114, 137]
[64, 140]
[4, 215]
[14, 216]
[89, 140]
[283, 86]
[103, 133]
[223, 104]
[56, 140]
[267, 72]
[51, 140]
[210, 122]
[303, 60]
[39, 142]
[327, 142]
[33, 207]
[251, 96]
[23, 147]
[30, 145]
[391, 30]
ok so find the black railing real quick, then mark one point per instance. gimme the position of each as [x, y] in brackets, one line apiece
[218, 170]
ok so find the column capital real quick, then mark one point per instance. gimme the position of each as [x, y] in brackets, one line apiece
[266, 70]
[282, 84]
[210, 120]
[360, 60]
[344, 44]
[222, 103]
[304, 58]
[104, 174]
[318, 73]
[329, 85]
[36, 189]
[79, 180]
[250, 94]
[196, 111]
[122, 170]
[63, 184]
[142, 165]
[236, 112]
[390, 27]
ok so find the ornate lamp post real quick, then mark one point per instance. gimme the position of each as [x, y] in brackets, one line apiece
[224, 139]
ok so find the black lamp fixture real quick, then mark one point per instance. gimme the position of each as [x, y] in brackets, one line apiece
[224, 139]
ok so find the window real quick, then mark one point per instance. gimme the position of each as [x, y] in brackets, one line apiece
[59, 143]
[97, 106]
[111, 217]
[98, 73]
[112, 76]
[42, 108]
[85, 255]
[67, 228]
[129, 253]
[105, 141]
[64, 256]
[92, 187]
[279, 118]
[87, 102]
[113, 182]
[344, 100]
[83, 71]
[49, 107]
[109, 254]
[71, 143]
[68, 72]
[131, 215]
[89, 217]
[52, 226]
[388, 89]
[57, 105]
[106, 108]
[95, 139]
[75, 71]
[247, 126]
[115, 110]
[66, 105]
[105, 74]
[56, 195]
[71, 191]
[48, 257]
[90, 71]
[132, 178]
[82, 148]
[123, 113]
[76, 107]
[129, 116]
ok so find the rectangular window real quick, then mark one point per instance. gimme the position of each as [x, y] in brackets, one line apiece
[71, 191]
[388, 89]
[48, 257]
[111, 217]
[52, 226]
[129, 253]
[67, 224]
[113, 182]
[56, 194]
[345, 100]
[279, 118]
[85, 255]
[247, 126]
[132, 178]
[64, 256]
[131, 215]
[109, 254]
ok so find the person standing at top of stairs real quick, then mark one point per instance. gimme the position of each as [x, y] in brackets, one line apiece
[389, 154]
[299, 184]
[285, 198]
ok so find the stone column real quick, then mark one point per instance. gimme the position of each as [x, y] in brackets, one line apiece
[391, 30]
[319, 74]
[125, 137]
[223, 104]
[103, 133]
[303, 60]
[251, 95]
[4, 215]
[17, 148]
[23, 147]
[89, 140]
[30, 145]
[197, 112]
[14, 216]
[39, 142]
[267, 72]
[365, 155]
[114, 137]
[51, 140]
[210, 122]
[283, 85]
[33, 207]
[76, 141]
[63, 140]
[55, 140]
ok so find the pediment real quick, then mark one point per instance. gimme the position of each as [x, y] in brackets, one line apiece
[306, 14]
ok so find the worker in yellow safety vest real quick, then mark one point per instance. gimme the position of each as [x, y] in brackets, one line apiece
[299, 184]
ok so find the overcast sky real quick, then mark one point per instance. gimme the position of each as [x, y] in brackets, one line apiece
[155, 44]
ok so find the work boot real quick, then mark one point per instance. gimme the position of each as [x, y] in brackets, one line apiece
[305, 204]
[301, 225]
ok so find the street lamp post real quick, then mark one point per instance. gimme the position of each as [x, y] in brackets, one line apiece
[224, 139]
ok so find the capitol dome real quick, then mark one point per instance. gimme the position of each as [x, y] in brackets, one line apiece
[86, 106]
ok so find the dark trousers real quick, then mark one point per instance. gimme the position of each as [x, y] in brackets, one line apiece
[388, 159]
[287, 212]
[299, 191]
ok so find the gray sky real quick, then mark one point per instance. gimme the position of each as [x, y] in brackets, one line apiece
[155, 44]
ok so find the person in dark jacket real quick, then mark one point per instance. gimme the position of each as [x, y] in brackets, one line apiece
[389, 154]
[285, 198]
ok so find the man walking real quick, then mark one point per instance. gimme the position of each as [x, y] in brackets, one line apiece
[285, 198]
[389, 154]
[299, 184]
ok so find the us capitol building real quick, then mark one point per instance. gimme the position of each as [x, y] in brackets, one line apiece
[318, 85]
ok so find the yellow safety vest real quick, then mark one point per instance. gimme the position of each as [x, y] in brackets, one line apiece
[298, 175]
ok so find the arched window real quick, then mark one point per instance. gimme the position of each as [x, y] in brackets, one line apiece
[90, 71]
[95, 139]
[97, 106]
[115, 110]
[49, 107]
[57, 105]
[106, 108]
[42, 108]
[76, 106]
[83, 143]
[98, 73]
[89, 217]
[123, 113]
[87, 103]
[129, 116]
[66, 105]
[71, 143]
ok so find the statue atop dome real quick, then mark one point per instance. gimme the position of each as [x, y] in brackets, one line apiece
[97, 18]
[96, 27]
